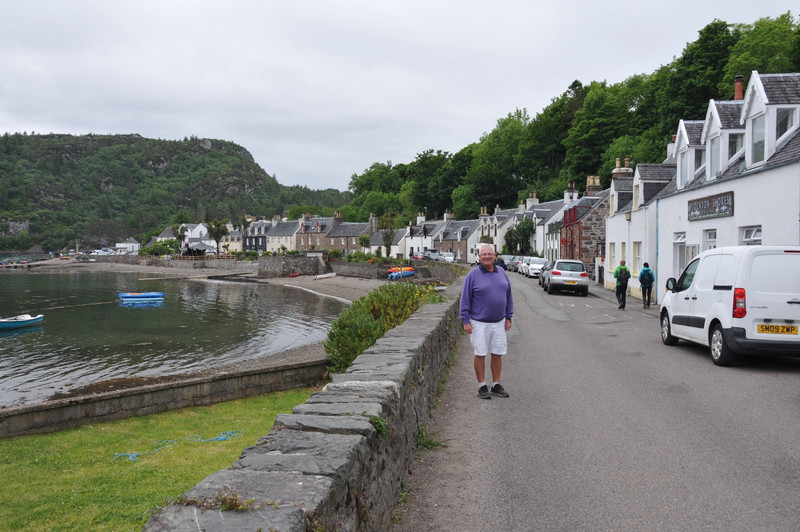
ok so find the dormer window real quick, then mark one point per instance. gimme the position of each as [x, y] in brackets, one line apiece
[713, 158]
[784, 121]
[735, 143]
[758, 138]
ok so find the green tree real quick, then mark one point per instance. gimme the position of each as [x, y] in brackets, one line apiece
[768, 46]
[364, 242]
[387, 225]
[217, 230]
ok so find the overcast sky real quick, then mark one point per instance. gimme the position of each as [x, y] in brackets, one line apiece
[317, 91]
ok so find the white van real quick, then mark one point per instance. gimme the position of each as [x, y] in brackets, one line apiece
[737, 301]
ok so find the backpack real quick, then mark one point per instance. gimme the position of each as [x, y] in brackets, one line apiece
[646, 278]
[624, 275]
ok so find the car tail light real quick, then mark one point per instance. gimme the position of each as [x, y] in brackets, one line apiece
[739, 303]
[555, 272]
[585, 274]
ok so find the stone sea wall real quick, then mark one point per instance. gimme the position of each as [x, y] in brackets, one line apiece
[340, 460]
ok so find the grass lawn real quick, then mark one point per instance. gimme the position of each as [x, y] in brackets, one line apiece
[110, 476]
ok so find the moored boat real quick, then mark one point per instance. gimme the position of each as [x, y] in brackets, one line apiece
[141, 296]
[23, 320]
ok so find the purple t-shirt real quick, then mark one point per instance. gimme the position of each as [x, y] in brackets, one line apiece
[486, 296]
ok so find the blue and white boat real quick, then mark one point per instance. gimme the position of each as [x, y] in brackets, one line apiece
[141, 296]
[17, 322]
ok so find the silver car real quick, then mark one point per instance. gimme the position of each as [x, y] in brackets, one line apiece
[534, 267]
[566, 275]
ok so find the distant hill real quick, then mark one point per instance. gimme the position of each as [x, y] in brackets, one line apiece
[56, 189]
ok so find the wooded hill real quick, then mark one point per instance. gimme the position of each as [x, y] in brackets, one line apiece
[98, 189]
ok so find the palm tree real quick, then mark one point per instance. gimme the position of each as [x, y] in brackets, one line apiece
[242, 223]
[217, 230]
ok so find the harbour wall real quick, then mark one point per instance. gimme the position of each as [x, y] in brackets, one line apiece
[340, 460]
[61, 414]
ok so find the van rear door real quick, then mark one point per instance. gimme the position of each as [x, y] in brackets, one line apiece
[772, 281]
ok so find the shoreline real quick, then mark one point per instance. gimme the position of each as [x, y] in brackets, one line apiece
[342, 288]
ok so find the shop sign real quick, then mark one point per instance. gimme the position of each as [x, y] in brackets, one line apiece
[716, 206]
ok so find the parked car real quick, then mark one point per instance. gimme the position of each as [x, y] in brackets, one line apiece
[433, 255]
[448, 256]
[534, 268]
[738, 300]
[523, 266]
[567, 274]
[547, 267]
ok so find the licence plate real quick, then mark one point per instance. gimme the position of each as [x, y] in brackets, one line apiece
[765, 328]
[570, 282]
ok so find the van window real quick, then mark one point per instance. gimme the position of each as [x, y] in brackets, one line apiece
[775, 274]
[687, 276]
[704, 278]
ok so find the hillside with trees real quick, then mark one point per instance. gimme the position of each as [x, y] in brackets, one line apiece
[581, 132]
[97, 189]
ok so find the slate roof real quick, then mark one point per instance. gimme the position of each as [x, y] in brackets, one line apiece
[288, 228]
[781, 88]
[459, 229]
[694, 129]
[350, 229]
[729, 113]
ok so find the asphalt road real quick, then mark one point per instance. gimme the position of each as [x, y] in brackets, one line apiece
[608, 429]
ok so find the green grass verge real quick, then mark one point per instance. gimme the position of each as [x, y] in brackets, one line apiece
[84, 478]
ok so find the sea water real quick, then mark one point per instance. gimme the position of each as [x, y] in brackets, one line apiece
[88, 335]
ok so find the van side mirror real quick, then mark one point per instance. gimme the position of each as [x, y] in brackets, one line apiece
[671, 282]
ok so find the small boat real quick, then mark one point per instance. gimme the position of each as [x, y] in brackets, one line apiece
[141, 296]
[325, 275]
[401, 269]
[401, 274]
[295, 274]
[23, 320]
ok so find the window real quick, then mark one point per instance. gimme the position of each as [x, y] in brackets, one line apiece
[757, 142]
[751, 236]
[679, 250]
[709, 239]
[637, 256]
[713, 158]
[735, 143]
[699, 158]
[611, 254]
[784, 122]
[683, 168]
[636, 196]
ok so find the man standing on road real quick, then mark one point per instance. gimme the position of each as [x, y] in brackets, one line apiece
[486, 310]
[622, 274]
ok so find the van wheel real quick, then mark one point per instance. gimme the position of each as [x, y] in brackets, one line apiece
[721, 353]
[666, 331]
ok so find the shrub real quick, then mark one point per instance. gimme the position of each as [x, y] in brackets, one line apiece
[360, 326]
[335, 254]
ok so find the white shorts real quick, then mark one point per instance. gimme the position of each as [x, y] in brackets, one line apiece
[488, 338]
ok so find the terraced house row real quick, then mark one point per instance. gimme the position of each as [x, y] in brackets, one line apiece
[729, 178]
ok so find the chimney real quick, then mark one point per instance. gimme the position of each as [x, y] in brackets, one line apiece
[373, 222]
[532, 200]
[619, 171]
[570, 194]
[420, 218]
[593, 185]
[738, 90]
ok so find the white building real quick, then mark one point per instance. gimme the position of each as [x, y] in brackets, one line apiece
[746, 191]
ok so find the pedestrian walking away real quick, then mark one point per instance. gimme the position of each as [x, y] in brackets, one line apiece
[622, 274]
[486, 312]
[646, 280]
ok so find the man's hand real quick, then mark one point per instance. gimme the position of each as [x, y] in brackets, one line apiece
[468, 328]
